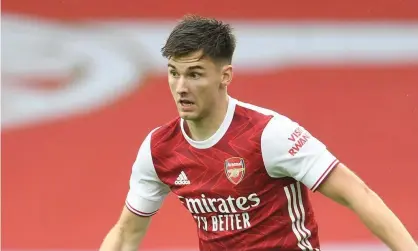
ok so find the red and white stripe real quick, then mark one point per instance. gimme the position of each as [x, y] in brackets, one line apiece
[297, 215]
[137, 212]
[325, 174]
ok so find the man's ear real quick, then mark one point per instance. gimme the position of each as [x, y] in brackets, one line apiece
[226, 75]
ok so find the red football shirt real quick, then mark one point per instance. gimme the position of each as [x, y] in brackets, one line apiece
[246, 186]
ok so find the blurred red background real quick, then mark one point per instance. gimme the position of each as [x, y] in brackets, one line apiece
[64, 182]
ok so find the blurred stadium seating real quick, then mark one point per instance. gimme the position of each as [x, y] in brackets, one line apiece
[83, 83]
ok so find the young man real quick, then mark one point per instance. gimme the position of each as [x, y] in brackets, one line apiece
[242, 171]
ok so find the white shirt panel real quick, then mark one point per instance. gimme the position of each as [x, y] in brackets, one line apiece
[147, 191]
[290, 151]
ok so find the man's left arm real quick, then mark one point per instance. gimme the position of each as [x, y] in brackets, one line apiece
[347, 189]
[289, 150]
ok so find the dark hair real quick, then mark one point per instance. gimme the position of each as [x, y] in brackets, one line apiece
[194, 33]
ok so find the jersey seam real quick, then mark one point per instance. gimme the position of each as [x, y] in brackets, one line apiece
[152, 159]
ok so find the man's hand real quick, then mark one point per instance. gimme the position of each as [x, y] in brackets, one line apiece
[344, 187]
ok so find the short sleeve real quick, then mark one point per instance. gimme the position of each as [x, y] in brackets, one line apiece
[289, 150]
[147, 191]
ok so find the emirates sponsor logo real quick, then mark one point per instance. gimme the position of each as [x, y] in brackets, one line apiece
[231, 213]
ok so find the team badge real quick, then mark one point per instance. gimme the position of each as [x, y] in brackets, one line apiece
[235, 169]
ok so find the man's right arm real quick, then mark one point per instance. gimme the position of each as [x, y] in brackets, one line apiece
[144, 198]
[127, 233]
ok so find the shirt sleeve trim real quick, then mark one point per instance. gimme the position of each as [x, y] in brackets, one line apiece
[325, 174]
[137, 212]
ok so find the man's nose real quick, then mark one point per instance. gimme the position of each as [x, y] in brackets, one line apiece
[181, 87]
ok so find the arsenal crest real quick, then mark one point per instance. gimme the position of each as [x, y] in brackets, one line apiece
[235, 169]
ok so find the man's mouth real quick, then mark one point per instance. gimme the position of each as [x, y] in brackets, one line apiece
[184, 102]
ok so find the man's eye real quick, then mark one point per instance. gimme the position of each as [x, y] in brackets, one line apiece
[195, 75]
[173, 73]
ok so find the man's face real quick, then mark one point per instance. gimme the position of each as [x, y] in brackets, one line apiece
[196, 84]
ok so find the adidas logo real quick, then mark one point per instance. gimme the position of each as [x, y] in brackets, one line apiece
[182, 179]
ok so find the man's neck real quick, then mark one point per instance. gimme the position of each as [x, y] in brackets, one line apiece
[206, 127]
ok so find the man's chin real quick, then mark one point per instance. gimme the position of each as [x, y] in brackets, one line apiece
[188, 115]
